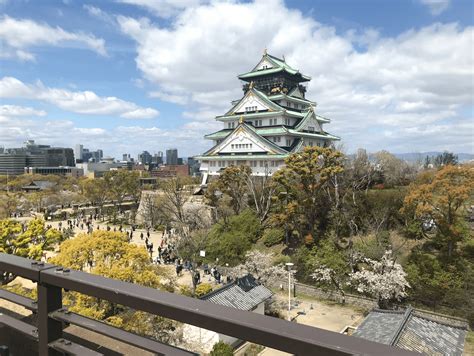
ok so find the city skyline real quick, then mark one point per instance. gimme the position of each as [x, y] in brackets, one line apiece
[75, 72]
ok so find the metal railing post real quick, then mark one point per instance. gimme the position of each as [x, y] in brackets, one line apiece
[49, 300]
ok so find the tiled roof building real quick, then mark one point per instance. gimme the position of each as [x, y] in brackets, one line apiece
[414, 330]
[245, 293]
[272, 120]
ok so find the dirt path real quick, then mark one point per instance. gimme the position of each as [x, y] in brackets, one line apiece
[324, 315]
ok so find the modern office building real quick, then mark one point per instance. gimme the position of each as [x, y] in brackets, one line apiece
[78, 152]
[61, 171]
[34, 155]
[172, 157]
[12, 163]
[145, 157]
[157, 158]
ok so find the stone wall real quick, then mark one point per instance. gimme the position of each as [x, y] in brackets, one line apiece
[311, 291]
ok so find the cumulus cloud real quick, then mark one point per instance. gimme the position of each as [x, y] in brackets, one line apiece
[82, 102]
[436, 6]
[15, 110]
[18, 36]
[418, 80]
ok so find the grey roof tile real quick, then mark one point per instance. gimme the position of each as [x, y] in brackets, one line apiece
[415, 331]
[243, 296]
[371, 329]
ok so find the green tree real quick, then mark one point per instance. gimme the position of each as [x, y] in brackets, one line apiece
[432, 281]
[330, 265]
[446, 158]
[302, 185]
[221, 349]
[230, 241]
[30, 243]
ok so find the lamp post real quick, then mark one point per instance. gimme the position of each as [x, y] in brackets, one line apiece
[289, 264]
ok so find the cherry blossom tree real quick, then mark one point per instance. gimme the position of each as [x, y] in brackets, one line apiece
[261, 266]
[328, 276]
[383, 280]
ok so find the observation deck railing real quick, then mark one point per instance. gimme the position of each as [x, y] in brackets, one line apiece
[52, 317]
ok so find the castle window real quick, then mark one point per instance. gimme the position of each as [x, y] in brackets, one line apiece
[311, 128]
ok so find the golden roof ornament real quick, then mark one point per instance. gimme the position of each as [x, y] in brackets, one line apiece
[251, 85]
[241, 120]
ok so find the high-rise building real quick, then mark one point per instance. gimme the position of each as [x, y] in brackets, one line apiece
[34, 155]
[272, 120]
[157, 158]
[145, 157]
[12, 163]
[92, 156]
[126, 157]
[78, 151]
[172, 156]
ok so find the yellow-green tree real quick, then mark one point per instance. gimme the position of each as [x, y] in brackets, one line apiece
[8, 204]
[30, 243]
[95, 190]
[302, 186]
[109, 254]
[436, 206]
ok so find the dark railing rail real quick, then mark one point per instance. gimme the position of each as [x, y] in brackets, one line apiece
[272, 332]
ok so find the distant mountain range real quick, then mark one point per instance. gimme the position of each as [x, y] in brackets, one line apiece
[420, 156]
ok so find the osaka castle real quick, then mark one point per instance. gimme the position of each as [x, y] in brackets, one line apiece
[272, 120]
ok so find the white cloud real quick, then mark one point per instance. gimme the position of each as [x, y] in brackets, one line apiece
[420, 78]
[98, 13]
[82, 102]
[171, 98]
[20, 35]
[15, 110]
[163, 8]
[142, 113]
[436, 6]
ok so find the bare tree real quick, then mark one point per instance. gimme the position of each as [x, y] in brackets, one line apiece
[261, 190]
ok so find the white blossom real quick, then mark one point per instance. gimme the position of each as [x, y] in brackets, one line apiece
[384, 279]
[261, 266]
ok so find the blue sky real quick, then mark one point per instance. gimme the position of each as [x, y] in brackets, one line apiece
[133, 75]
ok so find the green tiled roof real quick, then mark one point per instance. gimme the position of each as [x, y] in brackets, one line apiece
[279, 65]
[315, 135]
[260, 95]
[249, 115]
[273, 130]
[288, 97]
[253, 133]
[322, 118]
